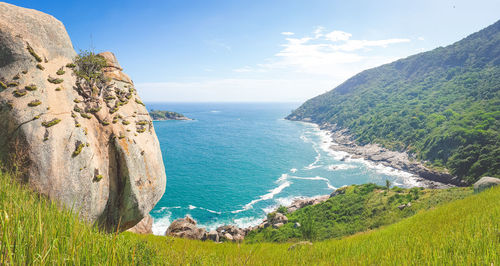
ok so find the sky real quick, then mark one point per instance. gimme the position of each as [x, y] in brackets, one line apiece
[260, 50]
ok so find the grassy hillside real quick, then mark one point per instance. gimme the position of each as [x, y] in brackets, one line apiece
[34, 231]
[442, 105]
[359, 208]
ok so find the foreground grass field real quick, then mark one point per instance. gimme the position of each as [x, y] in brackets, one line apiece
[34, 231]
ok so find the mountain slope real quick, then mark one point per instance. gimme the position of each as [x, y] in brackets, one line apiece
[442, 105]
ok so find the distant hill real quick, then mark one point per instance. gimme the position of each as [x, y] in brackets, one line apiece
[442, 105]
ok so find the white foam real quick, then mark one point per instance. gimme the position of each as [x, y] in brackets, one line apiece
[160, 225]
[335, 167]
[293, 170]
[191, 207]
[267, 196]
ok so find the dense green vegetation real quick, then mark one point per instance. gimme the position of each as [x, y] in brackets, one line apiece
[443, 106]
[358, 208]
[166, 115]
[34, 231]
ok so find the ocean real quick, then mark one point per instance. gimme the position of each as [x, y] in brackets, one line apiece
[235, 162]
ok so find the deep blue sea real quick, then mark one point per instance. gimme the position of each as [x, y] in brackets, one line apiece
[237, 161]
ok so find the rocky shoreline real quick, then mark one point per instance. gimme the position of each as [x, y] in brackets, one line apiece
[398, 160]
[187, 227]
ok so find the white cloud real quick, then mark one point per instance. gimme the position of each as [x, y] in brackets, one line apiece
[420, 38]
[287, 33]
[334, 54]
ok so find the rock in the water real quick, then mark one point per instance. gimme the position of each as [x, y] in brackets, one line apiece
[186, 228]
[98, 153]
[145, 226]
[485, 182]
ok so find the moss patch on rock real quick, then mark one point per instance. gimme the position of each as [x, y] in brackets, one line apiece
[55, 80]
[34, 103]
[52, 122]
[33, 53]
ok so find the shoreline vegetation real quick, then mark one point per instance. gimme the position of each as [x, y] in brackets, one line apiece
[35, 230]
[158, 115]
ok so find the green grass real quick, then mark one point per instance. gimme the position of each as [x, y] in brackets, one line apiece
[35, 231]
[358, 208]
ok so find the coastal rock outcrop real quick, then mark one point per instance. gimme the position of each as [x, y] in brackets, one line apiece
[485, 183]
[186, 228]
[95, 153]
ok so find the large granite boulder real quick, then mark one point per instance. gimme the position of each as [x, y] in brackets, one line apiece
[485, 182]
[186, 228]
[97, 155]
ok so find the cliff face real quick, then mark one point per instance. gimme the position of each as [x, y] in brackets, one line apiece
[98, 155]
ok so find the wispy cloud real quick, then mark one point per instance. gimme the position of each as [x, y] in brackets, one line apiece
[333, 53]
[287, 33]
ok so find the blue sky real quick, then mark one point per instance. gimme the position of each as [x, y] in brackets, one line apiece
[260, 50]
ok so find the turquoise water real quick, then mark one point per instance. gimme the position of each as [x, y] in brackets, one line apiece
[237, 161]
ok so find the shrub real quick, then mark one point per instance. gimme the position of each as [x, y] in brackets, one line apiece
[90, 79]
[70, 65]
[39, 66]
[3, 85]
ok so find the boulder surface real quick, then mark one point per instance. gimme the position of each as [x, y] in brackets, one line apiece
[97, 155]
[485, 182]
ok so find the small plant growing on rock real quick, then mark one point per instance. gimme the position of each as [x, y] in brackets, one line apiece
[141, 130]
[3, 85]
[113, 110]
[52, 122]
[78, 148]
[36, 117]
[70, 65]
[20, 93]
[24, 72]
[125, 122]
[55, 80]
[85, 115]
[142, 122]
[39, 66]
[16, 77]
[76, 100]
[34, 103]
[60, 71]
[139, 102]
[77, 125]
[98, 178]
[13, 84]
[32, 52]
[31, 87]
[94, 109]
[121, 136]
[90, 79]
[58, 89]
[105, 123]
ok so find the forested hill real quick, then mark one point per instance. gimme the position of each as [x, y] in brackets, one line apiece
[442, 105]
